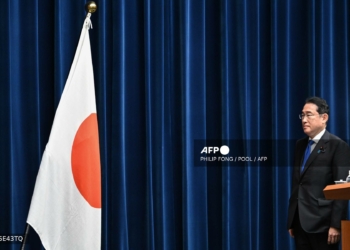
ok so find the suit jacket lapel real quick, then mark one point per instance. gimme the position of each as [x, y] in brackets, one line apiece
[321, 143]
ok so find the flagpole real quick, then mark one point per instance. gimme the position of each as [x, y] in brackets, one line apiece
[25, 236]
[90, 7]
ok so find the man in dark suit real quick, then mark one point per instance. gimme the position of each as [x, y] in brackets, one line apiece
[320, 159]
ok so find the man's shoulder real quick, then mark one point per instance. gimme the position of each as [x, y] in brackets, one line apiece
[306, 138]
[333, 138]
[327, 136]
[302, 141]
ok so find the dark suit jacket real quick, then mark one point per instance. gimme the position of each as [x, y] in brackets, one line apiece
[328, 162]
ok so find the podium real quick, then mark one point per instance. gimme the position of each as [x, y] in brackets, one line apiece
[340, 192]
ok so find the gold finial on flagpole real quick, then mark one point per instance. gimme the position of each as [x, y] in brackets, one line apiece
[91, 7]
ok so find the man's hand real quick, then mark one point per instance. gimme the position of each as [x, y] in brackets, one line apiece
[333, 235]
[291, 233]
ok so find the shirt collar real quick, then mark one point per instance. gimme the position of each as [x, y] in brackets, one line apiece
[318, 136]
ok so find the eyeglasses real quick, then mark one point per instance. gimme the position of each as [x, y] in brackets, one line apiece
[308, 116]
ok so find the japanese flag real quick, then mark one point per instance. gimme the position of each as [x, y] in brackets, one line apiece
[65, 209]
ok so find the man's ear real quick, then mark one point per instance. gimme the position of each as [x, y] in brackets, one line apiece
[325, 118]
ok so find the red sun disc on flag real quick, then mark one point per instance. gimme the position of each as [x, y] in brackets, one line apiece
[85, 159]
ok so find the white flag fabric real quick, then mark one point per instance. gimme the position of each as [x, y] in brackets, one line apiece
[65, 209]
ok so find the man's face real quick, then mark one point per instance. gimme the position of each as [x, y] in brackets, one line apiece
[312, 122]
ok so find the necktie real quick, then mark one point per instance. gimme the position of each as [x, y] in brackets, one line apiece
[307, 154]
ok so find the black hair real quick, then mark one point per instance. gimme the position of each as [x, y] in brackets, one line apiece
[322, 106]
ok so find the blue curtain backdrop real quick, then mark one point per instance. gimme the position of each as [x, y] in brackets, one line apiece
[168, 73]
